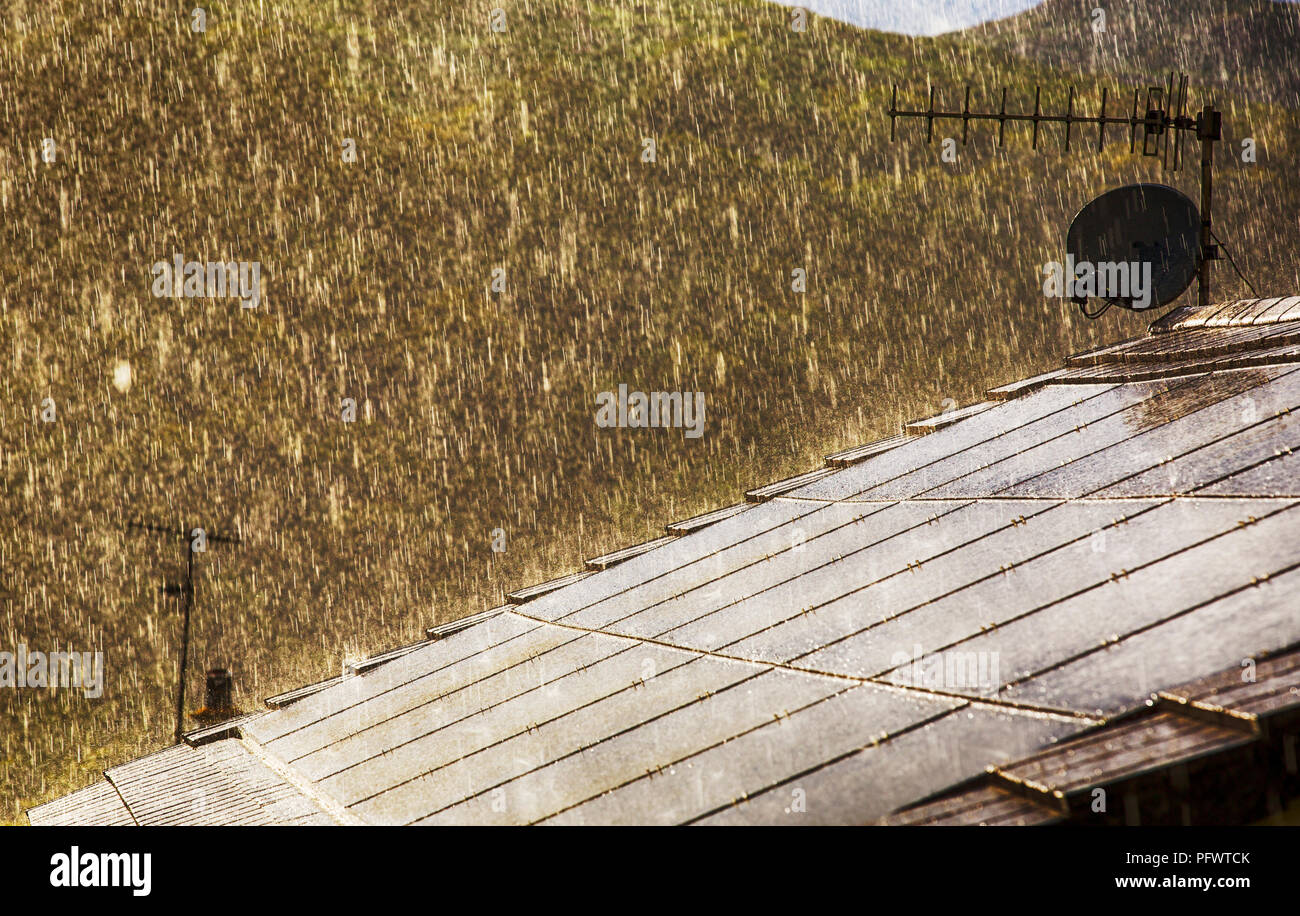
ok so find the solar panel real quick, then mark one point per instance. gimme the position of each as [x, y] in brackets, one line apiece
[1082, 541]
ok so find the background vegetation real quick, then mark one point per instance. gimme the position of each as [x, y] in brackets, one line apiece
[521, 150]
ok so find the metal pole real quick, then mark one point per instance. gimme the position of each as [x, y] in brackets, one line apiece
[1209, 131]
[187, 598]
[185, 638]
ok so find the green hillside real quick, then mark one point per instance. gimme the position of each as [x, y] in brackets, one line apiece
[478, 150]
[1247, 48]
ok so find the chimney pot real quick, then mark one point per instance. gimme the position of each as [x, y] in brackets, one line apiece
[220, 688]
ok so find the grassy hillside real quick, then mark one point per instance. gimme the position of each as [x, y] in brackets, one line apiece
[476, 150]
[1247, 48]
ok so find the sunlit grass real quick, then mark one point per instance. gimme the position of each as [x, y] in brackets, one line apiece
[475, 410]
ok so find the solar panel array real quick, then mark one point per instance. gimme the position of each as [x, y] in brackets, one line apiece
[860, 637]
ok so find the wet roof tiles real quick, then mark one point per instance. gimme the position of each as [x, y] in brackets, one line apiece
[1229, 729]
[1236, 313]
[844, 643]
[217, 783]
[96, 805]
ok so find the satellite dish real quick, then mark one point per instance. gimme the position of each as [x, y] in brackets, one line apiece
[1138, 224]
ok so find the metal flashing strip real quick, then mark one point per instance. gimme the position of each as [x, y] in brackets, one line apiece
[524, 595]
[443, 630]
[227, 729]
[773, 490]
[699, 680]
[618, 556]
[374, 661]
[1024, 386]
[695, 523]
[281, 700]
[1209, 713]
[947, 418]
[852, 456]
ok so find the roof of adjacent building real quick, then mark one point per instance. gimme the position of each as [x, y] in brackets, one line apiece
[1221, 749]
[985, 590]
[224, 782]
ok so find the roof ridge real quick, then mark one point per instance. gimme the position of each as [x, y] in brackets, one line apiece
[313, 791]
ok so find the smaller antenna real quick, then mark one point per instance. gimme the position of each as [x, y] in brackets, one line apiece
[185, 592]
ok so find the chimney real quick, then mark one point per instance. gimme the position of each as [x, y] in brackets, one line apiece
[219, 703]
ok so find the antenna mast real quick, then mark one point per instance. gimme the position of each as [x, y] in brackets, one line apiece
[192, 540]
[1158, 124]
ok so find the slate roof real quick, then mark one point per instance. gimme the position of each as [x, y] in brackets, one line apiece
[843, 644]
[218, 783]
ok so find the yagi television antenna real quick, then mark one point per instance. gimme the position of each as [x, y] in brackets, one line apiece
[1164, 117]
[190, 538]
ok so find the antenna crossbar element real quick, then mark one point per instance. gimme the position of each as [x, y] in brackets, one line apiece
[1158, 124]
[183, 535]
